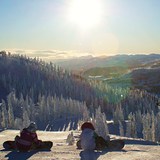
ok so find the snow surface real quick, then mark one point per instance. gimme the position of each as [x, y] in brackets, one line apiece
[133, 150]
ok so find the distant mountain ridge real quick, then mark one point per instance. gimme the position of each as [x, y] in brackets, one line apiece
[88, 62]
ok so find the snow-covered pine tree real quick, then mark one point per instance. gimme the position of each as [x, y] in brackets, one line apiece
[11, 104]
[42, 106]
[157, 126]
[121, 130]
[70, 139]
[26, 120]
[4, 122]
[18, 124]
[128, 129]
[133, 125]
[10, 116]
[153, 129]
[86, 114]
[101, 124]
[138, 118]
[146, 120]
[118, 114]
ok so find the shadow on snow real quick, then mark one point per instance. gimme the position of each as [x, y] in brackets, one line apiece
[13, 155]
[90, 155]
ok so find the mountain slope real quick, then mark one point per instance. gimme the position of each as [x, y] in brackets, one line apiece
[88, 62]
[34, 77]
[142, 73]
[141, 78]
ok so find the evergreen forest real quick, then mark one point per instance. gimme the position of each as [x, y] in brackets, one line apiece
[33, 90]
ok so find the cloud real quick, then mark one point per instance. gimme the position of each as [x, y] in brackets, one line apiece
[49, 55]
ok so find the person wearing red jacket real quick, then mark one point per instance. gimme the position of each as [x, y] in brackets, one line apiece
[28, 139]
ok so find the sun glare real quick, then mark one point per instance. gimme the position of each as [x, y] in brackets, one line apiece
[85, 13]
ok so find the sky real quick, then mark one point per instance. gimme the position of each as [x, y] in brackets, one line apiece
[66, 28]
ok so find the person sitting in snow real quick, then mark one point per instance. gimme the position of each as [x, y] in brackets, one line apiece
[28, 139]
[89, 139]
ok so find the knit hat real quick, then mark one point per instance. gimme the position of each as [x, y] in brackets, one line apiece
[88, 125]
[32, 127]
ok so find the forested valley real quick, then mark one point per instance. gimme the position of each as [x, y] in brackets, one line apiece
[33, 90]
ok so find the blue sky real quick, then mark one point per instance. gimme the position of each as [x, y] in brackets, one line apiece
[125, 26]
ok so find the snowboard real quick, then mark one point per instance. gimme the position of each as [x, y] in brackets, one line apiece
[11, 145]
[116, 144]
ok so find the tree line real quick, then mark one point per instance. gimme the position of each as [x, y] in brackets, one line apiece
[32, 90]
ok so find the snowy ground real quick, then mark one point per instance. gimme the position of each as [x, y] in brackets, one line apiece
[134, 149]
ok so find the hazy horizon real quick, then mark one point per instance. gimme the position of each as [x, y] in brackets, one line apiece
[71, 28]
[55, 56]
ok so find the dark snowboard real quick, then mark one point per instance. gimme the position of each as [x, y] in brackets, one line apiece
[11, 145]
[117, 144]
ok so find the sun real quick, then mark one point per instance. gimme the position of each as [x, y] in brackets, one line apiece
[85, 13]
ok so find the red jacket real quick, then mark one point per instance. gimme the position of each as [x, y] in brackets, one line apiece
[26, 140]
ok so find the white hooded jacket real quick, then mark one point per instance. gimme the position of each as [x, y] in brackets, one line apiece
[87, 139]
